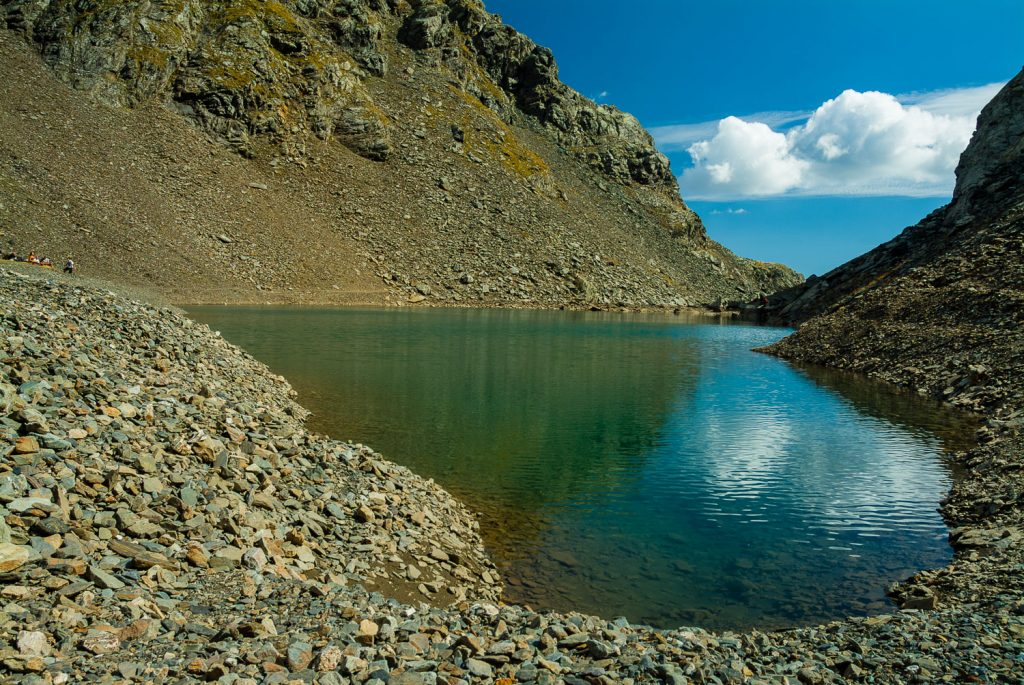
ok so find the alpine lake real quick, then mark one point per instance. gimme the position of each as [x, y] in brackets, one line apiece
[641, 465]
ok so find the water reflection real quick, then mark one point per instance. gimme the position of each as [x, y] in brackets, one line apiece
[512, 411]
[923, 416]
[635, 465]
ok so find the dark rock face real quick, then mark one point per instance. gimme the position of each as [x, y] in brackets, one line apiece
[427, 27]
[990, 175]
[239, 69]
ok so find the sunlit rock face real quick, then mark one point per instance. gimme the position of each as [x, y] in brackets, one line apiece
[288, 68]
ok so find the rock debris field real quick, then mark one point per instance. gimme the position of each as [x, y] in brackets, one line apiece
[166, 518]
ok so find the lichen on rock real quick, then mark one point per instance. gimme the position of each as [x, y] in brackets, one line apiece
[239, 69]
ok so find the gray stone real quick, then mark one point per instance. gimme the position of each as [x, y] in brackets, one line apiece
[189, 497]
[254, 558]
[300, 654]
[51, 525]
[147, 462]
[480, 669]
[103, 579]
[24, 504]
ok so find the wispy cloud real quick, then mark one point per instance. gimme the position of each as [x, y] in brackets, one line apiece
[868, 143]
[676, 137]
[738, 210]
[953, 102]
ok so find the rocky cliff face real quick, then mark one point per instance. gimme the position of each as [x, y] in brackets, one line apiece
[989, 190]
[990, 175]
[451, 107]
[252, 68]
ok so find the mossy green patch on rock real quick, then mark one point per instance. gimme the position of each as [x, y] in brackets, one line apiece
[147, 54]
[500, 143]
[273, 14]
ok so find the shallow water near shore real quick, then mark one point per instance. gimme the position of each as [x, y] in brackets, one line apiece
[649, 466]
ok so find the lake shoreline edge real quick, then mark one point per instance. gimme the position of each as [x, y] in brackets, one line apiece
[976, 594]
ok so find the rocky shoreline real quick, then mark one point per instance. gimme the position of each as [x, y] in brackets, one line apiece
[167, 518]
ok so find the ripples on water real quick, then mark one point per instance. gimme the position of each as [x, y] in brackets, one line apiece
[644, 466]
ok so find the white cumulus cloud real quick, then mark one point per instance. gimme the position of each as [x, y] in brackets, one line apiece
[747, 155]
[868, 143]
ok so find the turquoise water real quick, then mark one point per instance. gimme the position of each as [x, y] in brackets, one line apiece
[641, 465]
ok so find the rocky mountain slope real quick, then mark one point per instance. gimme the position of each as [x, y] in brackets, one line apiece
[364, 150]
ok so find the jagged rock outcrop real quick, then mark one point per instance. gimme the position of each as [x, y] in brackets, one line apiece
[239, 69]
[605, 137]
[452, 107]
[990, 175]
[250, 67]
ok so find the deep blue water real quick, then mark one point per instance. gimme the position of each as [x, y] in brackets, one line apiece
[641, 465]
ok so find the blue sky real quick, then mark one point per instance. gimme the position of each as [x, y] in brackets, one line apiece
[842, 120]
